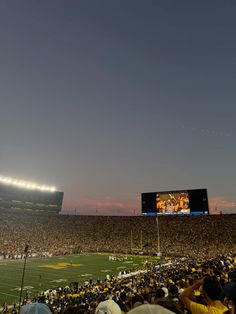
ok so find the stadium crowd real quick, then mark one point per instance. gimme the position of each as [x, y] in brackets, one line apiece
[58, 235]
[196, 281]
[194, 286]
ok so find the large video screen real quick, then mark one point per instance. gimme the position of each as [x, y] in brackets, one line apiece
[175, 202]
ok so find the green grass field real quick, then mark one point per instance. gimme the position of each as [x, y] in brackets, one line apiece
[42, 274]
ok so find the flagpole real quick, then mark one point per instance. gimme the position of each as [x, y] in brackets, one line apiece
[158, 237]
[131, 241]
[23, 273]
[141, 240]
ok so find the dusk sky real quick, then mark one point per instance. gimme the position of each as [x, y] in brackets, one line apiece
[109, 99]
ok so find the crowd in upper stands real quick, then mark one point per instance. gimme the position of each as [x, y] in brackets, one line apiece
[207, 243]
[57, 235]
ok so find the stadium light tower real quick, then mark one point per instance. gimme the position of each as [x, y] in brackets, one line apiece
[26, 184]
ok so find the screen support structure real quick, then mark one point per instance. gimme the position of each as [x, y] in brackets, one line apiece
[158, 237]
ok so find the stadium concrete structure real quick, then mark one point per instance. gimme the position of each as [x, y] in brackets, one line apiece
[27, 196]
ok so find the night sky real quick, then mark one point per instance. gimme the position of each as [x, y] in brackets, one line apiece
[109, 99]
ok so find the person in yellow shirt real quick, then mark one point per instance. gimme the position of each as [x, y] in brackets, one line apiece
[212, 294]
[230, 292]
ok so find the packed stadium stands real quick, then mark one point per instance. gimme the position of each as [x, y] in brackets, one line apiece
[207, 244]
[54, 235]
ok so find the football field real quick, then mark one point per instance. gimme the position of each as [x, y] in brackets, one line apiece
[45, 273]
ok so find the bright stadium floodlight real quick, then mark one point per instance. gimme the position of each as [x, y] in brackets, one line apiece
[52, 189]
[26, 185]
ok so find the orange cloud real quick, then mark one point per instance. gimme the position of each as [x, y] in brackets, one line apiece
[106, 206]
[218, 204]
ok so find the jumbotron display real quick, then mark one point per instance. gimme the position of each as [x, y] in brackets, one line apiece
[175, 202]
[28, 196]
